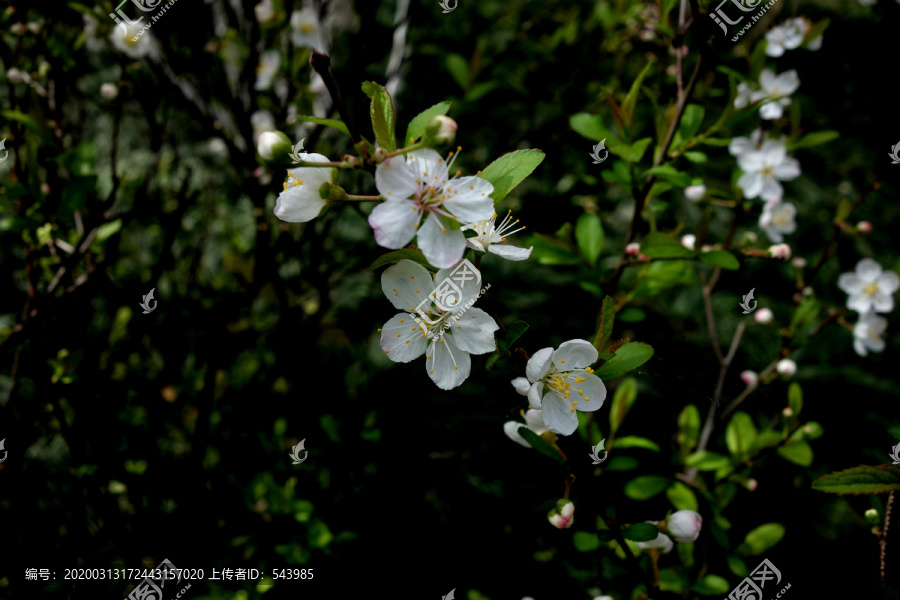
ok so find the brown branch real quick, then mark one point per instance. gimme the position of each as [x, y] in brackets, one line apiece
[887, 522]
[322, 65]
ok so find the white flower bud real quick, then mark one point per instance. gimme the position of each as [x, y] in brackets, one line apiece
[695, 192]
[14, 75]
[379, 155]
[788, 412]
[751, 484]
[109, 91]
[662, 542]
[688, 241]
[563, 515]
[872, 517]
[786, 367]
[442, 129]
[763, 315]
[749, 377]
[45, 188]
[782, 251]
[271, 143]
[34, 27]
[522, 385]
[264, 12]
[799, 262]
[17, 28]
[684, 525]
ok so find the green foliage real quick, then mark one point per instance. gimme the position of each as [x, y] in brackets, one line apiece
[863, 479]
[624, 397]
[589, 237]
[417, 126]
[382, 113]
[762, 538]
[628, 357]
[640, 532]
[645, 487]
[510, 170]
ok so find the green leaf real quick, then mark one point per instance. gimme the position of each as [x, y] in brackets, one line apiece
[814, 139]
[624, 397]
[589, 237]
[607, 318]
[721, 258]
[762, 538]
[632, 153]
[766, 439]
[551, 251]
[590, 126]
[863, 479]
[717, 142]
[628, 357]
[659, 276]
[632, 315]
[107, 230]
[417, 126]
[681, 496]
[459, 69]
[540, 444]
[895, 431]
[622, 463]
[737, 565]
[413, 254]
[631, 99]
[712, 585]
[515, 332]
[795, 399]
[585, 542]
[691, 121]
[805, 314]
[660, 245]
[696, 157]
[645, 487]
[29, 123]
[333, 123]
[640, 532]
[670, 174]
[707, 461]
[510, 170]
[688, 428]
[798, 453]
[382, 113]
[633, 441]
[740, 435]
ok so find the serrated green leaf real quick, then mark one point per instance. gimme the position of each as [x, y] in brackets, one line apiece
[681, 496]
[645, 487]
[628, 357]
[660, 245]
[799, 453]
[417, 126]
[863, 479]
[721, 258]
[740, 435]
[540, 444]
[585, 542]
[589, 237]
[688, 428]
[670, 174]
[762, 538]
[413, 254]
[382, 112]
[634, 441]
[607, 319]
[333, 123]
[624, 397]
[510, 170]
[640, 532]
[515, 332]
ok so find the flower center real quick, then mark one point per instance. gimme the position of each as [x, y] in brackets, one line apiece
[767, 171]
[871, 289]
[307, 27]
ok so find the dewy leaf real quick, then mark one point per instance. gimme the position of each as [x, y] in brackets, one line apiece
[417, 126]
[762, 538]
[721, 258]
[607, 318]
[413, 254]
[645, 487]
[382, 113]
[863, 479]
[339, 125]
[628, 357]
[515, 332]
[660, 245]
[640, 532]
[624, 397]
[510, 170]
[540, 444]
[589, 237]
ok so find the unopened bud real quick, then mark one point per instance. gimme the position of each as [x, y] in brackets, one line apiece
[684, 526]
[632, 249]
[353, 161]
[763, 315]
[272, 144]
[873, 517]
[864, 226]
[441, 130]
[782, 251]
[18, 28]
[751, 484]
[799, 262]
[563, 515]
[14, 75]
[379, 155]
[688, 241]
[786, 367]
[45, 188]
[788, 412]
[695, 192]
[109, 91]
[749, 378]
[34, 27]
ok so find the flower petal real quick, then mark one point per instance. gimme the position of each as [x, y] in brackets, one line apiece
[395, 180]
[787, 169]
[448, 366]
[535, 421]
[428, 167]
[771, 110]
[522, 385]
[589, 393]
[575, 354]
[474, 331]
[469, 199]
[539, 364]
[406, 284]
[394, 223]
[401, 339]
[535, 395]
[460, 285]
[510, 252]
[511, 429]
[298, 204]
[868, 270]
[860, 303]
[883, 303]
[557, 415]
[850, 283]
[752, 184]
[442, 244]
[888, 282]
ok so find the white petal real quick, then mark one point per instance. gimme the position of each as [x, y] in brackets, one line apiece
[298, 204]
[447, 365]
[860, 303]
[767, 80]
[739, 146]
[751, 183]
[474, 244]
[771, 110]
[442, 243]
[788, 82]
[860, 347]
[401, 339]
[474, 331]
[394, 179]
[888, 282]
[557, 415]
[883, 303]
[406, 285]
[875, 345]
[539, 364]
[511, 429]
[575, 354]
[428, 167]
[535, 421]
[394, 223]
[850, 283]
[592, 388]
[458, 286]
[771, 189]
[535, 395]
[522, 385]
[787, 169]
[510, 252]
[469, 199]
[868, 270]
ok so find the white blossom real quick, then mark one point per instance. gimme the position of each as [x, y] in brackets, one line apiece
[533, 421]
[269, 63]
[869, 287]
[786, 367]
[684, 526]
[764, 168]
[490, 235]
[775, 92]
[300, 201]
[868, 333]
[777, 219]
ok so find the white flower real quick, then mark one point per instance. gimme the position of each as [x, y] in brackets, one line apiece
[749, 378]
[270, 142]
[570, 383]
[742, 145]
[763, 315]
[418, 191]
[744, 93]
[489, 238]
[269, 63]
[684, 525]
[563, 515]
[782, 251]
[661, 541]
[144, 45]
[300, 201]
[109, 91]
[695, 192]
[533, 421]
[261, 121]
[786, 367]
[447, 360]
[306, 31]
[777, 219]
[265, 13]
[870, 287]
[764, 168]
[799, 262]
[776, 90]
[787, 36]
[522, 385]
[688, 241]
[868, 333]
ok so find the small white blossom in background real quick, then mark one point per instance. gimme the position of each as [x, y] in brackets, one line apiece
[749, 377]
[787, 412]
[447, 361]
[799, 262]
[786, 367]
[563, 515]
[688, 241]
[489, 238]
[306, 30]
[270, 143]
[695, 192]
[662, 542]
[684, 526]
[777, 219]
[764, 316]
[744, 95]
[776, 91]
[869, 287]
[265, 13]
[868, 334]
[742, 145]
[569, 381]
[109, 91]
[782, 251]
[764, 168]
[145, 45]
[418, 190]
[14, 76]
[261, 121]
[269, 63]
[533, 421]
[300, 201]
[788, 36]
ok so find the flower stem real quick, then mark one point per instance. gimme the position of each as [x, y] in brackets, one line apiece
[410, 148]
[357, 198]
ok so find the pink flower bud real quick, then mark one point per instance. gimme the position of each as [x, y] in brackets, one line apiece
[749, 377]
[563, 515]
[109, 91]
[632, 249]
[695, 192]
[17, 28]
[763, 315]
[788, 411]
[786, 367]
[799, 262]
[864, 226]
[782, 251]
[688, 241]
[684, 526]
[751, 484]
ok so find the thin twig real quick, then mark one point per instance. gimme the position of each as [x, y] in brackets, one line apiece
[750, 389]
[883, 541]
[322, 65]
